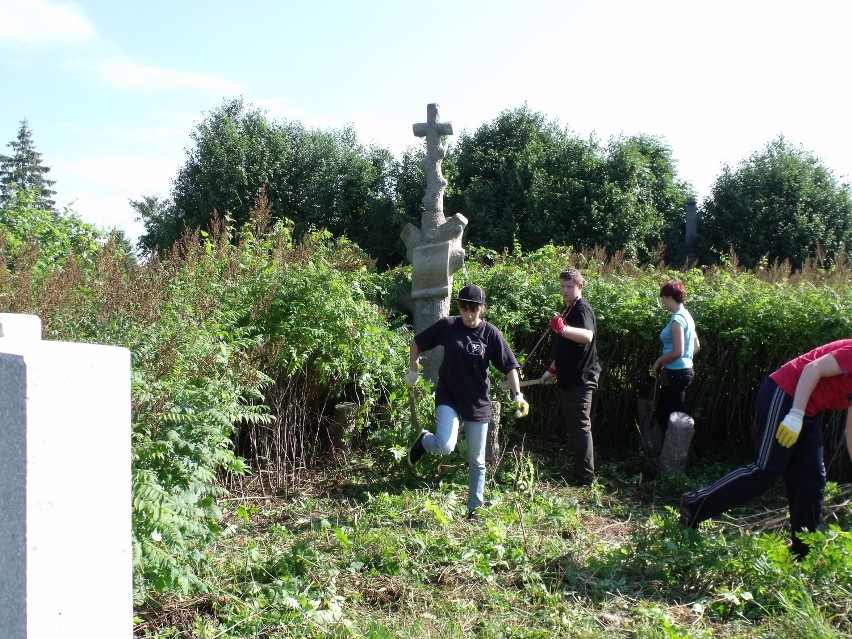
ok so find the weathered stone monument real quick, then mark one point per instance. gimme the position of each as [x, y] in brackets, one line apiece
[66, 567]
[674, 456]
[434, 250]
[342, 426]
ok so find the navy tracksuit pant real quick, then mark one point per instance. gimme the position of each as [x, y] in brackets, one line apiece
[801, 465]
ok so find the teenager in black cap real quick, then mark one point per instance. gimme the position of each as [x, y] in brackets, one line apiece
[461, 393]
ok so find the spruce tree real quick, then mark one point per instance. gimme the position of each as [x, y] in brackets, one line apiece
[24, 170]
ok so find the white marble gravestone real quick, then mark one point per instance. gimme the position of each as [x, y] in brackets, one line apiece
[65, 497]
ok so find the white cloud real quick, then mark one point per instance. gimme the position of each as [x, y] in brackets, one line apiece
[126, 75]
[42, 23]
[156, 136]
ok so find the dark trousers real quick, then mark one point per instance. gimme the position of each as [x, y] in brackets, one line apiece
[672, 394]
[576, 414]
[801, 465]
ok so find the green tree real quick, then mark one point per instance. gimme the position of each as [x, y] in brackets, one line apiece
[410, 181]
[317, 179]
[162, 225]
[380, 222]
[24, 170]
[491, 174]
[236, 154]
[523, 180]
[33, 236]
[781, 203]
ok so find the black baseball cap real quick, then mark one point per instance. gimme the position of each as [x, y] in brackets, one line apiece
[471, 293]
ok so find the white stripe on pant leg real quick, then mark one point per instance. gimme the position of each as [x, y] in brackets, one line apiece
[772, 418]
[763, 456]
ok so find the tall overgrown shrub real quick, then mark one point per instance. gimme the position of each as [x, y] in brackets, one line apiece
[246, 337]
[323, 342]
[749, 321]
[216, 330]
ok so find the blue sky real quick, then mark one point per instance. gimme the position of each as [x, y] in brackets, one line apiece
[113, 90]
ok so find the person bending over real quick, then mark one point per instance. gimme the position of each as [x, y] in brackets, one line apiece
[790, 404]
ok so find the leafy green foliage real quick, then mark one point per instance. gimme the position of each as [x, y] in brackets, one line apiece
[318, 179]
[749, 322]
[782, 203]
[324, 343]
[36, 239]
[182, 439]
[389, 553]
[240, 343]
[162, 224]
[244, 339]
[523, 180]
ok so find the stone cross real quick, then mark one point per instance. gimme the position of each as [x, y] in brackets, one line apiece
[66, 564]
[434, 250]
[433, 201]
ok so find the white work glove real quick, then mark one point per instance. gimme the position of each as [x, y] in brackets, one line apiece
[790, 427]
[548, 376]
[411, 378]
[522, 408]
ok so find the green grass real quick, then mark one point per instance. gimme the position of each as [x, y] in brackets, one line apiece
[368, 548]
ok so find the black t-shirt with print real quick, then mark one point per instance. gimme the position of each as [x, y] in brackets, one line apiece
[463, 380]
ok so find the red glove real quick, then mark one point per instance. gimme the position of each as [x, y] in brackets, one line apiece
[557, 324]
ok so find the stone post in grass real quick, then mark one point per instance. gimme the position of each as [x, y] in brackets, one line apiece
[674, 456]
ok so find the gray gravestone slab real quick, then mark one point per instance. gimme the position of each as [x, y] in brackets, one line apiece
[674, 456]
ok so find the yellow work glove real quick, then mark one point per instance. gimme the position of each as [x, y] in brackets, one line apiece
[522, 408]
[790, 427]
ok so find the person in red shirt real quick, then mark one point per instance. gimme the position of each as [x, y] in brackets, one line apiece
[791, 446]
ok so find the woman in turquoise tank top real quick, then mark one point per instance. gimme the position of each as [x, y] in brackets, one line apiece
[680, 343]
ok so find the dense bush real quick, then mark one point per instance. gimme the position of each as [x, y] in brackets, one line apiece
[781, 203]
[216, 331]
[749, 322]
[243, 340]
[35, 239]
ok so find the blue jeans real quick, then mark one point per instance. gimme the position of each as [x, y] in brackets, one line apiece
[443, 442]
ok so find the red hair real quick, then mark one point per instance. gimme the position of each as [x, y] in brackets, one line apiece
[674, 290]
